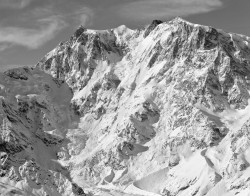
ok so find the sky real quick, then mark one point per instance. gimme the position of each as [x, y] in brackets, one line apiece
[31, 28]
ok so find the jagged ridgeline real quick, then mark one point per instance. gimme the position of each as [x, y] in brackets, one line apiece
[162, 110]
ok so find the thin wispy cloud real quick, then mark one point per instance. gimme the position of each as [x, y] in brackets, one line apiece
[84, 16]
[4, 46]
[44, 23]
[14, 4]
[32, 38]
[153, 9]
[78, 16]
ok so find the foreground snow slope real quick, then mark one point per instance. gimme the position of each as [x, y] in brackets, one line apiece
[162, 110]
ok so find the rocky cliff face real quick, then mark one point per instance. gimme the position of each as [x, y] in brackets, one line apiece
[162, 110]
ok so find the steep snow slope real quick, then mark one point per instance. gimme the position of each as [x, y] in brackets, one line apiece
[162, 110]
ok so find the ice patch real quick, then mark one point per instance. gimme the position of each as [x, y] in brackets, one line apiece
[231, 118]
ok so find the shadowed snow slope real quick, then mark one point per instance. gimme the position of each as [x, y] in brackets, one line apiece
[162, 110]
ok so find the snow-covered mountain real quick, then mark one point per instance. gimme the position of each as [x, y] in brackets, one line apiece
[162, 110]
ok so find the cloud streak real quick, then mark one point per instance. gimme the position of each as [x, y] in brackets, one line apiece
[141, 10]
[32, 38]
[14, 4]
[85, 16]
[42, 30]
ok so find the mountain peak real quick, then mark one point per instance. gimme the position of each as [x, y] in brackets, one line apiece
[151, 27]
[156, 22]
[179, 19]
[79, 31]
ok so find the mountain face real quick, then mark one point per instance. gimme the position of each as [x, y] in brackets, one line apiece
[162, 110]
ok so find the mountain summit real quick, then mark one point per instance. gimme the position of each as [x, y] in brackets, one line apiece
[162, 110]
